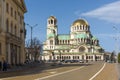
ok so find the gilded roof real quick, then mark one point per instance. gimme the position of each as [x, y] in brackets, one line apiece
[80, 22]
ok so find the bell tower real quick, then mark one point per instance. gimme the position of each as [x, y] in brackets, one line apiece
[51, 27]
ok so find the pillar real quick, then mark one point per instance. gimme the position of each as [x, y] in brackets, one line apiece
[9, 53]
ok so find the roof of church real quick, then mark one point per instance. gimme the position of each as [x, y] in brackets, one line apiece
[94, 38]
[81, 36]
[63, 37]
[50, 35]
[80, 22]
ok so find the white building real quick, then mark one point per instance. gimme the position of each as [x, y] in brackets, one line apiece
[80, 44]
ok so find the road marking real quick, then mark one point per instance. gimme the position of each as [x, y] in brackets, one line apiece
[53, 72]
[97, 72]
[59, 73]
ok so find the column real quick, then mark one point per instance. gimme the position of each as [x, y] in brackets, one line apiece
[9, 53]
[93, 57]
[17, 55]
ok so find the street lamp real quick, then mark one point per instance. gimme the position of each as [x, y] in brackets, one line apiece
[31, 27]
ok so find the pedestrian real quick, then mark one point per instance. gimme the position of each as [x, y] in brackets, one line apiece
[0, 65]
[4, 66]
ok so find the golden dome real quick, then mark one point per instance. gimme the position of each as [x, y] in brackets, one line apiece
[80, 22]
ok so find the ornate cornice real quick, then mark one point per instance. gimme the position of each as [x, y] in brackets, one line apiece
[21, 5]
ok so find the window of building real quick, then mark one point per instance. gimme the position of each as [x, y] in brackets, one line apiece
[68, 42]
[51, 42]
[11, 27]
[7, 25]
[20, 19]
[15, 30]
[63, 41]
[51, 21]
[7, 7]
[11, 11]
[15, 15]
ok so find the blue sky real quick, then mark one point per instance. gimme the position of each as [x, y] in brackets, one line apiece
[101, 15]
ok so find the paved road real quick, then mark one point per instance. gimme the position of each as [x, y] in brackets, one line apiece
[65, 72]
[82, 73]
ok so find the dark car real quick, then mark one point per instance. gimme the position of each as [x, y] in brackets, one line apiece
[75, 61]
[68, 61]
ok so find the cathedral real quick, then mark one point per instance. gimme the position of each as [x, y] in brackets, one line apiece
[79, 44]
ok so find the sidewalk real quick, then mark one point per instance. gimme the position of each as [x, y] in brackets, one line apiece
[22, 67]
[27, 69]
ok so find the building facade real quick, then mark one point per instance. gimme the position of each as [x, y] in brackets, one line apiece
[12, 31]
[79, 44]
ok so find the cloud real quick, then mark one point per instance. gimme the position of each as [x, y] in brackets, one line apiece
[109, 12]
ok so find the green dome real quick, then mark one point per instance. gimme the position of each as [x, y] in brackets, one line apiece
[81, 36]
[94, 38]
[50, 35]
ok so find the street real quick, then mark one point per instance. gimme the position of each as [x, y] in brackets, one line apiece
[72, 71]
[83, 73]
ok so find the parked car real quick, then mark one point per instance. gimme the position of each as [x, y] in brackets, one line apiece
[81, 61]
[68, 61]
[75, 61]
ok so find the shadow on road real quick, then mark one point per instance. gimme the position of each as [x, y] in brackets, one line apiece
[36, 68]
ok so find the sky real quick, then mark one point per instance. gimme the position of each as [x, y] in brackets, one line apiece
[103, 17]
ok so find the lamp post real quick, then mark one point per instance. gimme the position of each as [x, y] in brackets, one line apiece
[31, 27]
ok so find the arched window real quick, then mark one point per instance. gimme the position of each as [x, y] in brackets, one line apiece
[51, 42]
[80, 28]
[51, 21]
[68, 42]
[77, 27]
[82, 49]
[65, 41]
[48, 21]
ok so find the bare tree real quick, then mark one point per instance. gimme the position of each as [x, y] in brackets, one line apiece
[34, 49]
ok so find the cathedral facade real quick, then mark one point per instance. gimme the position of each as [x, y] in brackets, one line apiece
[79, 44]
